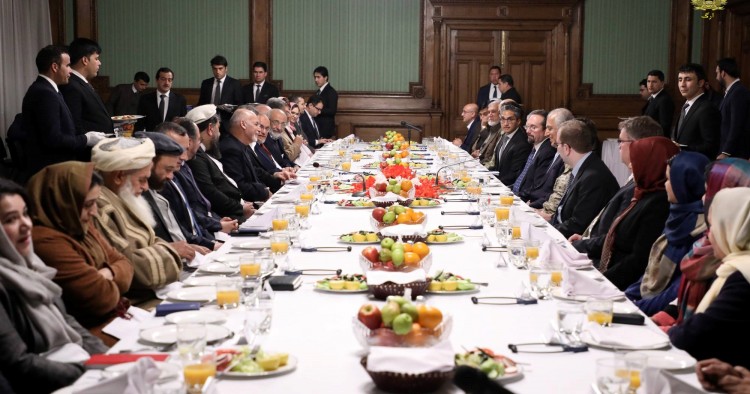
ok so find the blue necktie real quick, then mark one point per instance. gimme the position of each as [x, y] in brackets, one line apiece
[519, 180]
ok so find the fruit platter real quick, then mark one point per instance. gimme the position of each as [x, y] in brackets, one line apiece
[496, 367]
[360, 237]
[351, 283]
[439, 236]
[396, 256]
[423, 202]
[360, 203]
[400, 323]
[448, 283]
[396, 214]
[241, 363]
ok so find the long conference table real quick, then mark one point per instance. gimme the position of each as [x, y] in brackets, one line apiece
[316, 327]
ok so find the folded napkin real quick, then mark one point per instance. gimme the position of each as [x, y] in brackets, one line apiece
[551, 251]
[161, 293]
[403, 229]
[411, 360]
[579, 284]
[627, 336]
[198, 260]
[260, 222]
[380, 277]
[659, 381]
[388, 197]
[68, 353]
[138, 380]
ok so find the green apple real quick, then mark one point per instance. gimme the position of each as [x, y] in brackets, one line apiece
[399, 209]
[398, 245]
[402, 324]
[389, 217]
[401, 301]
[389, 313]
[411, 310]
[397, 256]
[389, 188]
[397, 188]
[385, 255]
[397, 160]
[387, 243]
[392, 181]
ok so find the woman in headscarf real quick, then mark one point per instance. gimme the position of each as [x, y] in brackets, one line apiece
[685, 187]
[92, 274]
[719, 326]
[699, 265]
[629, 239]
[33, 322]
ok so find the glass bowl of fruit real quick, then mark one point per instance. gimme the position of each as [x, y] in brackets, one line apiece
[400, 323]
[396, 214]
[395, 256]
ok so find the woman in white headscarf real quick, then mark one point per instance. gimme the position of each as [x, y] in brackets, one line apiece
[34, 327]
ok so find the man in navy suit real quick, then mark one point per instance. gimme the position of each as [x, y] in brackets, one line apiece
[513, 147]
[161, 105]
[541, 192]
[491, 91]
[88, 109]
[698, 126]
[50, 135]
[221, 89]
[309, 127]
[470, 116]
[735, 111]
[539, 159]
[326, 119]
[260, 90]
[660, 106]
[508, 90]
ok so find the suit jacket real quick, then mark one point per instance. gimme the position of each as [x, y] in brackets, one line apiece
[483, 95]
[231, 91]
[160, 228]
[512, 94]
[540, 194]
[591, 189]
[265, 176]
[308, 130]
[50, 133]
[483, 133]
[238, 164]
[735, 122]
[202, 209]
[472, 134]
[536, 174]
[699, 131]
[122, 100]
[661, 109]
[276, 147]
[194, 234]
[266, 161]
[267, 91]
[223, 195]
[88, 109]
[326, 119]
[513, 159]
[148, 106]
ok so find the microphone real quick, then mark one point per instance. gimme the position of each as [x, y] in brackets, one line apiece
[409, 128]
[437, 174]
[355, 194]
[474, 381]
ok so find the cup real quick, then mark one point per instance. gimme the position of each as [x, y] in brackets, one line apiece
[279, 224]
[306, 196]
[196, 371]
[484, 202]
[506, 199]
[503, 233]
[539, 278]
[251, 287]
[570, 319]
[516, 231]
[610, 378]
[517, 252]
[302, 208]
[249, 266]
[532, 249]
[356, 156]
[293, 225]
[258, 322]
[280, 244]
[346, 165]
[191, 339]
[502, 213]
[555, 270]
[228, 293]
[599, 310]
[635, 363]
[488, 218]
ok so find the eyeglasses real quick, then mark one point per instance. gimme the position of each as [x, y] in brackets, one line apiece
[318, 108]
[624, 141]
[511, 119]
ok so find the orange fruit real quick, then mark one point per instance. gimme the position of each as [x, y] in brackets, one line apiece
[404, 153]
[421, 249]
[416, 337]
[411, 259]
[429, 316]
[414, 216]
[403, 218]
[408, 247]
[406, 185]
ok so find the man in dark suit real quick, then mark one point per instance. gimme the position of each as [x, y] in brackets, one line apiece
[49, 131]
[513, 147]
[123, 100]
[326, 120]
[591, 184]
[539, 159]
[161, 105]
[260, 90]
[645, 95]
[309, 127]
[508, 90]
[490, 91]
[735, 111]
[88, 109]
[221, 89]
[470, 116]
[698, 126]
[540, 193]
[264, 154]
[660, 106]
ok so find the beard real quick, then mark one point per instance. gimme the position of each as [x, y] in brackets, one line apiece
[214, 150]
[274, 136]
[492, 123]
[137, 204]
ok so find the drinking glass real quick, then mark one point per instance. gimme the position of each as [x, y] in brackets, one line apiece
[484, 202]
[555, 269]
[636, 363]
[258, 322]
[599, 310]
[303, 210]
[191, 339]
[249, 266]
[280, 243]
[539, 278]
[532, 250]
[517, 251]
[516, 229]
[612, 376]
[473, 190]
[503, 232]
[293, 225]
[228, 293]
[488, 218]
[196, 370]
[279, 223]
[251, 287]
[506, 199]
[570, 319]
[502, 213]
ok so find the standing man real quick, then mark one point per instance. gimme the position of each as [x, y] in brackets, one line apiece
[539, 159]
[88, 109]
[490, 91]
[698, 126]
[326, 120]
[161, 105]
[124, 97]
[221, 89]
[735, 119]
[507, 89]
[660, 106]
[513, 148]
[260, 90]
[645, 95]
[470, 116]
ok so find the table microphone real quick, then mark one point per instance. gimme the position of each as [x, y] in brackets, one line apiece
[474, 381]
[355, 194]
[410, 127]
[437, 174]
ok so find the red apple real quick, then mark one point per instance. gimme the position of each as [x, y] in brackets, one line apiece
[389, 146]
[371, 254]
[381, 187]
[382, 166]
[369, 315]
[378, 214]
[385, 337]
[386, 155]
[388, 266]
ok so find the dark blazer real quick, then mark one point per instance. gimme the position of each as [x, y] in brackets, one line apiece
[661, 109]
[51, 135]
[194, 235]
[483, 95]
[735, 122]
[537, 171]
[265, 176]
[512, 94]
[590, 191]
[633, 239]
[265, 160]
[277, 150]
[122, 100]
[472, 134]
[231, 91]
[540, 194]
[484, 132]
[594, 244]
[699, 131]
[308, 130]
[202, 209]
[238, 164]
[267, 91]
[224, 196]
[88, 109]
[148, 106]
[326, 120]
[514, 157]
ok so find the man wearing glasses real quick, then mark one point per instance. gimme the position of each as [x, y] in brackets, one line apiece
[513, 148]
[309, 126]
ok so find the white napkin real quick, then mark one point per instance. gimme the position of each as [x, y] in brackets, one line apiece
[411, 360]
[198, 260]
[380, 277]
[68, 353]
[579, 284]
[260, 222]
[403, 229]
[138, 380]
[161, 293]
[658, 381]
[551, 251]
[627, 336]
[122, 328]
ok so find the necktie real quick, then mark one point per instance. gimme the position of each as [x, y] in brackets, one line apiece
[501, 146]
[682, 117]
[318, 92]
[162, 107]
[519, 180]
[260, 152]
[494, 91]
[217, 92]
[257, 92]
[315, 126]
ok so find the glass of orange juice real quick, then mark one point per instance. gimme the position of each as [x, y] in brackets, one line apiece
[228, 293]
[280, 243]
[302, 208]
[517, 232]
[506, 199]
[279, 223]
[502, 213]
[532, 251]
[198, 363]
[306, 197]
[556, 276]
[346, 165]
[249, 266]
[599, 310]
[357, 156]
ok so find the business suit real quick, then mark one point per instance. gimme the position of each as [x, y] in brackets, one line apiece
[264, 170]
[735, 122]
[591, 189]
[308, 129]
[202, 209]
[267, 91]
[472, 134]
[181, 211]
[326, 119]
[231, 91]
[699, 131]
[513, 158]
[223, 195]
[50, 133]
[148, 106]
[238, 164]
[87, 108]
[512, 94]
[123, 101]
[541, 192]
[537, 171]
[661, 109]
[265, 160]
[483, 95]
[276, 147]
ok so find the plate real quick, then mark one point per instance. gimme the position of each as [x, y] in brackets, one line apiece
[667, 360]
[126, 118]
[454, 292]
[218, 268]
[557, 292]
[354, 207]
[195, 294]
[168, 371]
[511, 377]
[290, 366]
[458, 241]
[252, 245]
[587, 339]
[207, 316]
[203, 280]
[167, 335]
[339, 291]
[359, 243]
[439, 204]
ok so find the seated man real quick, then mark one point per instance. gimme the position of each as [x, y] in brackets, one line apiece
[275, 140]
[538, 161]
[125, 218]
[512, 148]
[539, 195]
[309, 126]
[264, 154]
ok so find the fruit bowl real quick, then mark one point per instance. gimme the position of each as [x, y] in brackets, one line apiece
[397, 382]
[384, 290]
[386, 204]
[377, 226]
[425, 263]
[386, 337]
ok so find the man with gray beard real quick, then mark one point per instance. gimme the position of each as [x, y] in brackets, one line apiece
[275, 141]
[125, 217]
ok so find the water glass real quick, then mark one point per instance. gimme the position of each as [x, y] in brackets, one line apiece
[258, 322]
[570, 319]
[539, 278]
[484, 201]
[503, 232]
[191, 339]
[517, 252]
[636, 363]
[488, 218]
[251, 288]
[612, 376]
[292, 225]
[228, 293]
[599, 310]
